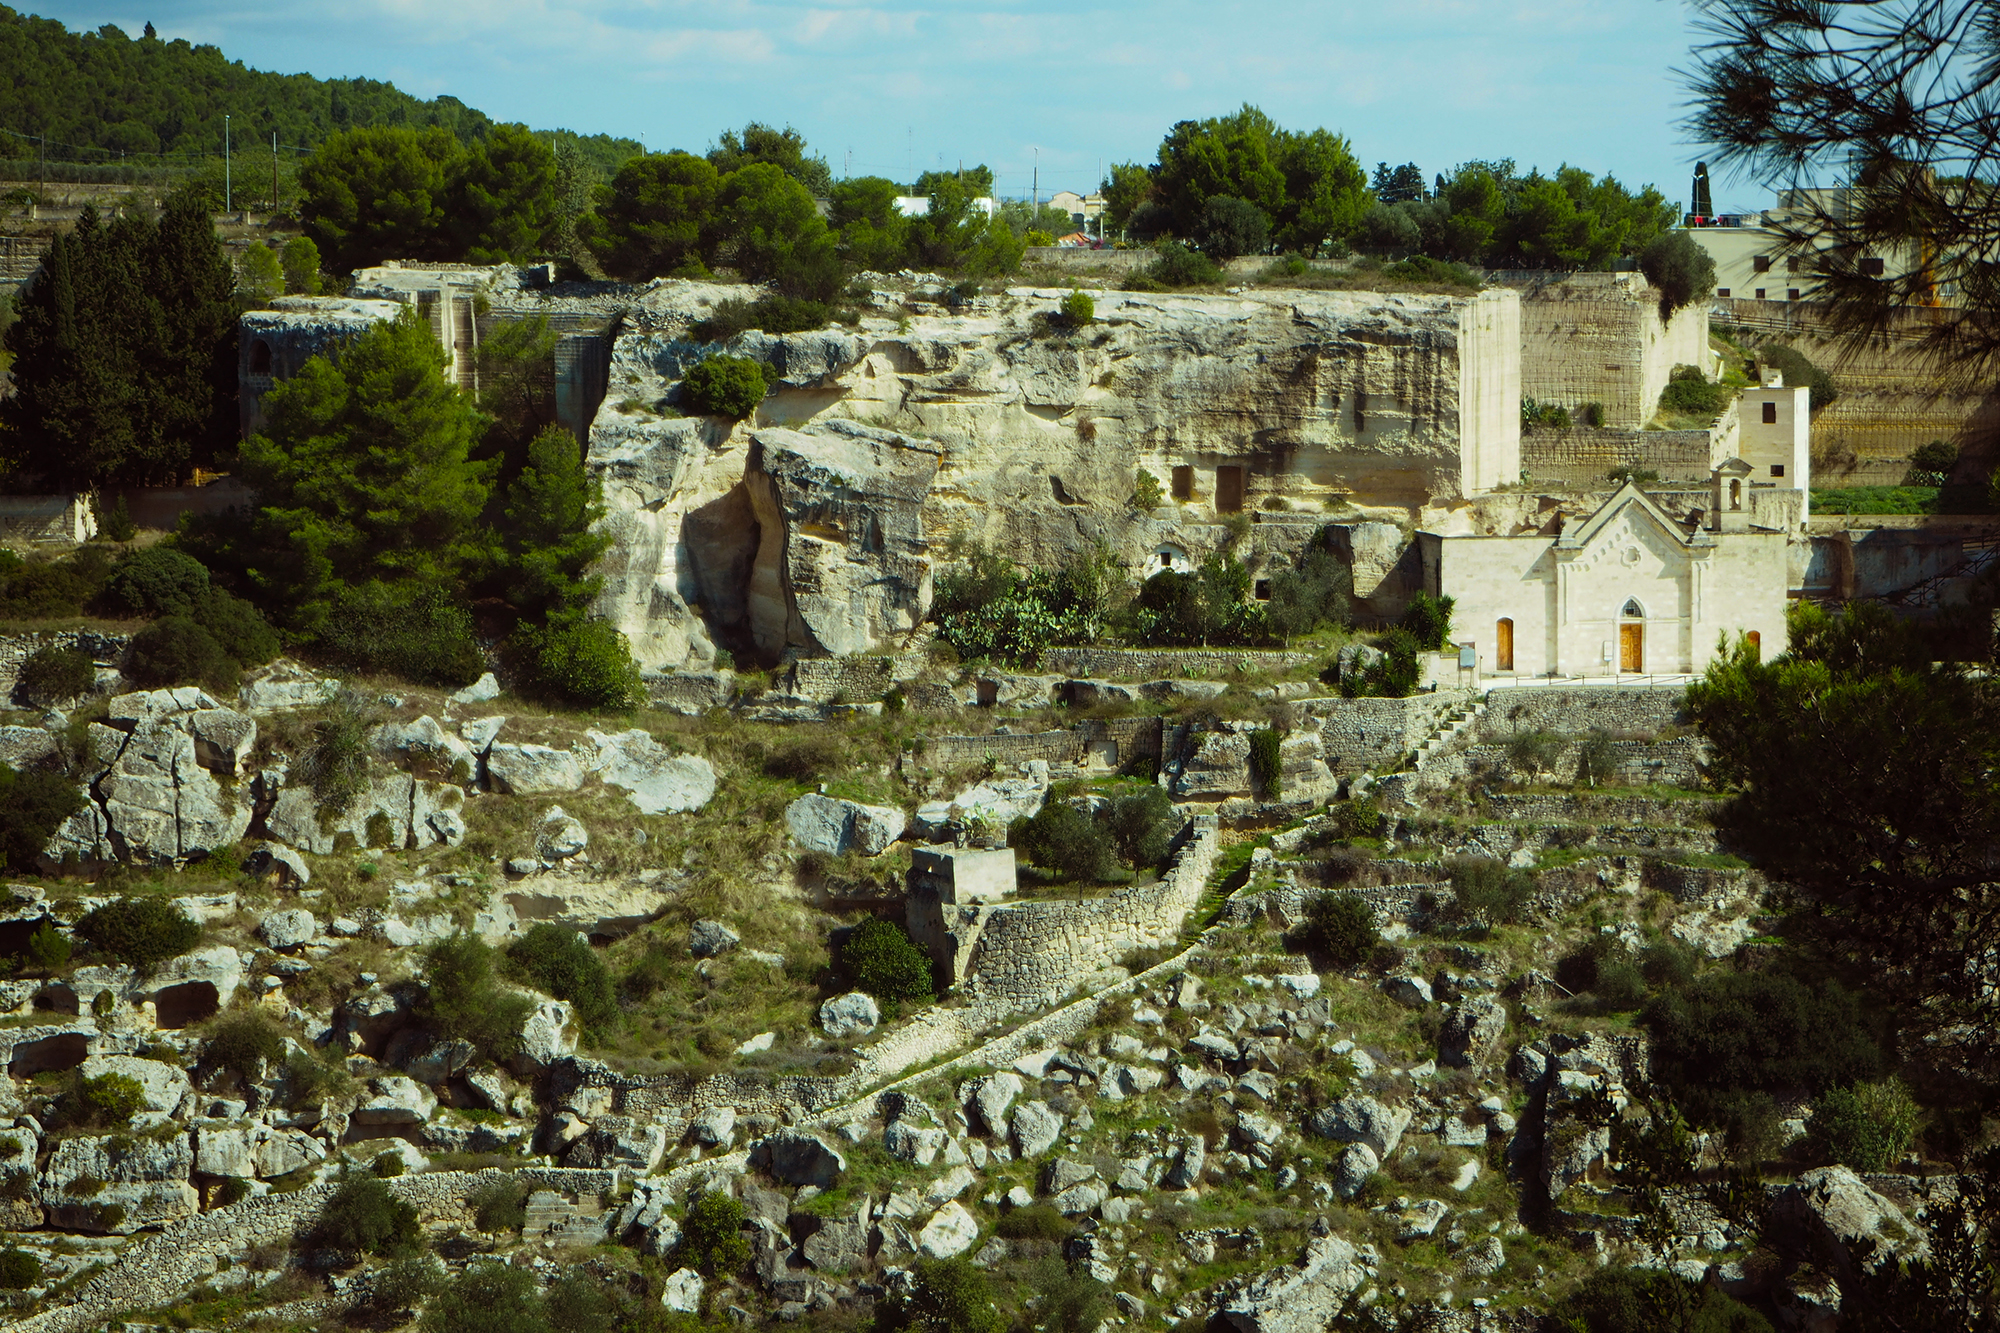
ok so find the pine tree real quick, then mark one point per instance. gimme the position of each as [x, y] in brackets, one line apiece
[550, 509]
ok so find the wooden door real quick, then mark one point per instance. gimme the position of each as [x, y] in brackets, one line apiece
[1503, 646]
[1631, 647]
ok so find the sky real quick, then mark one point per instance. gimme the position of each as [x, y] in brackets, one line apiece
[1044, 91]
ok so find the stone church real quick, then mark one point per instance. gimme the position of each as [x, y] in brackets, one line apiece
[1631, 589]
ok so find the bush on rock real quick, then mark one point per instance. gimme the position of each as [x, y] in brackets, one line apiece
[363, 1217]
[140, 931]
[725, 386]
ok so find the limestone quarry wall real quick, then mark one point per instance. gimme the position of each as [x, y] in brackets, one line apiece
[1598, 337]
[1585, 456]
[1891, 400]
[813, 529]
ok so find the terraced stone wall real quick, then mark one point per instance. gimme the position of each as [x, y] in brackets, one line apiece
[1620, 710]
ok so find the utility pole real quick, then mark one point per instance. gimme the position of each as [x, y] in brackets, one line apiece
[1036, 188]
[274, 171]
[228, 199]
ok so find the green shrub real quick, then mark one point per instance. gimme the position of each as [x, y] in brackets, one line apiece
[1597, 760]
[421, 633]
[1631, 474]
[807, 759]
[108, 1101]
[559, 963]
[53, 674]
[1316, 593]
[580, 662]
[879, 957]
[1068, 843]
[724, 386]
[175, 650]
[1212, 605]
[19, 1270]
[158, 581]
[1230, 227]
[1146, 493]
[33, 805]
[1036, 1221]
[1690, 394]
[1869, 1127]
[48, 948]
[1341, 926]
[406, 1283]
[1078, 310]
[1531, 753]
[1266, 768]
[771, 314]
[1392, 676]
[712, 1238]
[1765, 1033]
[500, 1206]
[1798, 370]
[1179, 266]
[1932, 464]
[1433, 272]
[363, 1217]
[462, 1001]
[986, 607]
[1645, 1300]
[1552, 415]
[1679, 269]
[234, 1189]
[1428, 619]
[388, 1165]
[238, 626]
[1488, 892]
[140, 931]
[115, 524]
[336, 763]
[1143, 825]
[945, 1296]
[246, 1041]
[50, 589]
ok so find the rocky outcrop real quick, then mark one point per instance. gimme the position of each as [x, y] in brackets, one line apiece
[1302, 1298]
[812, 528]
[828, 824]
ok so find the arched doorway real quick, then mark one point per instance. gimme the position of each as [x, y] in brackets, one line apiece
[260, 357]
[1503, 644]
[1756, 642]
[1632, 636]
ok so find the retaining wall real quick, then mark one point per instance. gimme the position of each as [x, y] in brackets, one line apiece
[1676, 763]
[1170, 663]
[156, 1270]
[1618, 709]
[106, 650]
[1134, 737]
[1358, 734]
[27, 519]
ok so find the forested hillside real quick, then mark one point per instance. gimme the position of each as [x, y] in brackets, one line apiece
[108, 101]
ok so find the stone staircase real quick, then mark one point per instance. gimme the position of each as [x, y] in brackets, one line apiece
[1454, 724]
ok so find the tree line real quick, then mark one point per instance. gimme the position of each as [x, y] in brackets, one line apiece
[107, 96]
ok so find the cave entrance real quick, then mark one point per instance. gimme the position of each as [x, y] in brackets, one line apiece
[183, 1005]
[65, 1050]
[1229, 490]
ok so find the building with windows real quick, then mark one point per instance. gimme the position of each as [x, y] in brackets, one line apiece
[1749, 249]
[1632, 589]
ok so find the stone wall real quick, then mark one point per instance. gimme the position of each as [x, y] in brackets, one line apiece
[1585, 456]
[1118, 740]
[1676, 763]
[1023, 955]
[856, 679]
[1359, 734]
[28, 519]
[106, 650]
[156, 1270]
[1171, 663]
[1620, 710]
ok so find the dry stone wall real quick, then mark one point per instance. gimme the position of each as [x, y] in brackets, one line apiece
[106, 650]
[1360, 734]
[1170, 663]
[1620, 710]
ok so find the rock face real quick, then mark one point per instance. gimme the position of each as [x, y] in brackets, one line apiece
[816, 530]
[827, 824]
[1300, 1299]
[798, 1158]
[657, 780]
[1363, 1120]
[1830, 1211]
[850, 1015]
[119, 1185]
[1471, 1032]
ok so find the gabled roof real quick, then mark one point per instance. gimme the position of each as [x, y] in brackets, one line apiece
[1735, 467]
[1628, 495]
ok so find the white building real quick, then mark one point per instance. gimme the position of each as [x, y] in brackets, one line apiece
[919, 205]
[1749, 250]
[1629, 590]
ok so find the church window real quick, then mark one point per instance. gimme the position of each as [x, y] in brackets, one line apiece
[1633, 611]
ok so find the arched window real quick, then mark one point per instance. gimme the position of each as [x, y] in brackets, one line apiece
[260, 357]
[1503, 645]
[1736, 495]
[1633, 611]
[1756, 642]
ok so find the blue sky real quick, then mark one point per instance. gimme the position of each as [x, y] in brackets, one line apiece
[889, 87]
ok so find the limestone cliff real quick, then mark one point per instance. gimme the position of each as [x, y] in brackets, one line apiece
[996, 422]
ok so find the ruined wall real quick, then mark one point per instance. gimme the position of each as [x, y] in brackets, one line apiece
[1133, 738]
[106, 650]
[28, 519]
[1598, 337]
[1170, 663]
